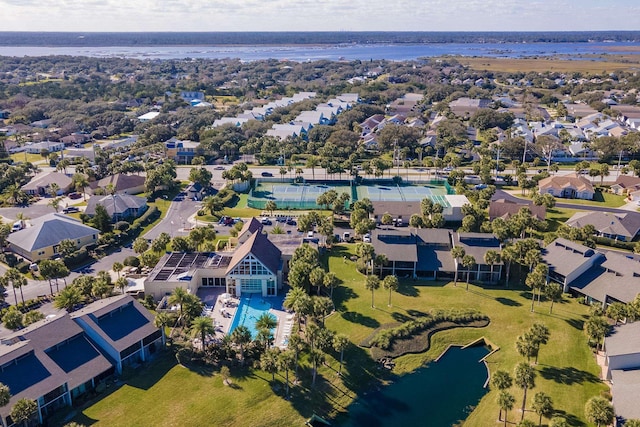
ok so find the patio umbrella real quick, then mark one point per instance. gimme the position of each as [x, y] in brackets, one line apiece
[225, 296]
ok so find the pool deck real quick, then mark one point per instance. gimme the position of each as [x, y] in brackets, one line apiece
[223, 313]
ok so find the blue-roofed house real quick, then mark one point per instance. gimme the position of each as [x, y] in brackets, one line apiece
[122, 328]
[52, 362]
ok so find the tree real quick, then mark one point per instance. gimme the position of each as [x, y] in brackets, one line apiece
[457, 252]
[23, 410]
[340, 344]
[5, 395]
[524, 377]
[468, 261]
[270, 206]
[101, 219]
[286, 362]
[179, 297]
[539, 334]
[391, 284]
[140, 245]
[68, 298]
[505, 402]
[299, 301]
[117, 267]
[616, 311]
[509, 255]
[558, 422]
[543, 405]
[269, 361]
[632, 423]
[13, 318]
[55, 203]
[225, 373]
[599, 411]
[265, 324]
[80, 183]
[536, 280]
[316, 278]
[371, 284]
[322, 306]
[526, 346]
[596, 328]
[330, 281]
[553, 291]
[491, 258]
[203, 326]
[501, 380]
[241, 336]
[317, 357]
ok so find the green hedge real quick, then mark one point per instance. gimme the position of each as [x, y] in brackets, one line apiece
[385, 338]
[605, 241]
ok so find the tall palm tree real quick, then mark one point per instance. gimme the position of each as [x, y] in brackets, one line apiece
[202, 326]
[509, 255]
[286, 361]
[269, 362]
[340, 344]
[117, 267]
[317, 357]
[122, 283]
[296, 345]
[241, 336]
[468, 261]
[371, 284]
[491, 257]
[330, 281]
[68, 298]
[505, 402]
[502, 381]
[299, 301]
[457, 252]
[524, 376]
[543, 405]
[179, 297]
[391, 284]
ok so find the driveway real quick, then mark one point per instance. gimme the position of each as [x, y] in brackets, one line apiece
[176, 222]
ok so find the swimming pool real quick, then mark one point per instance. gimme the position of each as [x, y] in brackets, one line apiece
[250, 308]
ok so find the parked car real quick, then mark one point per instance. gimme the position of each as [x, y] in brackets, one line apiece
[265, 221]
[366, 238]
[71, 209]
[310, 234]
[75, 195]
[219, 168]
[266, 174]
[291, 221]
[282, 219]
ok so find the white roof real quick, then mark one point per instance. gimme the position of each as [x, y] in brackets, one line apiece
[149, 116]
[456, 200]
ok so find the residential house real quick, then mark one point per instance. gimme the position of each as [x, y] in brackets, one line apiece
[182, 152]
[468, 106]
[614, 225]
[52, 362]
[40, 185]
[571, 186]
[505, 208]
[121, 183]
[402, 210]
[370, 125]
[42, 239]
[625, 185]
[195, 191]
[235, 121]
[622, 350]
[191, 96]
[118, 206]
[76, 138]
[477, 245]
[122, 328]
[48, 146]
[568, 260]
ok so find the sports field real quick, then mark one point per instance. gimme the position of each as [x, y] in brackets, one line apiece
[406, 193]
[303, 195]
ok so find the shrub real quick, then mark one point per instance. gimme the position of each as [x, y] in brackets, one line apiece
[23, 267]
[131, 261]
[10, 259]
[149, 216]
[76, 258]
[122, 226]
[385, 338]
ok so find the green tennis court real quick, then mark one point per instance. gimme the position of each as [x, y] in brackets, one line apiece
[407, 193]
[291, 195]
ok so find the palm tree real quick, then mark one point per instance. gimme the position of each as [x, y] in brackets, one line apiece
[543, 405]
[509, 255]
[53, 189]
[265, 324]
[18, 281]
[179, 297]
[270, 206]
[241, 336]
[322, 306]
[316, 277]
[525, 379]
[380, 260]
[296, 345]
[505, 402]
[23, 410]
[599, 411]
[161, 320]
[298, 301]
[330, 281]
[68, 298]
[312, 162]
[340, 343]
[80, 183]
[457, 252]
[391, 284]
[491, 257]
[5, 395]
[269, 361]
[371, 284]
[553, 291]
[117, 267]
[502, 381]
[202, 326]
[317, 357]
[286, 361]
[122, 283]
[468, 261]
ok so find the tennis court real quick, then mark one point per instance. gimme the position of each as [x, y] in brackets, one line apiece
[291, 195]
[407, 193]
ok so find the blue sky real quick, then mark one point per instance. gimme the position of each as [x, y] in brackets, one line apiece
[319, 15]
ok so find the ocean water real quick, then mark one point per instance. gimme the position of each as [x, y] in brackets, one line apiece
[333, 52]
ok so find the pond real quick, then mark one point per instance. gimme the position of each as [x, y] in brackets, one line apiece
[437, 395]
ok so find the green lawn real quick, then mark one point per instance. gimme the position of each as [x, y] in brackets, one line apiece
[557, 216]
[603, 198]
[566, 369]
[239, 208]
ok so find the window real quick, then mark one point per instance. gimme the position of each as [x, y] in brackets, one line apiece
[250, 266]
[271, 287]
[251, 286]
